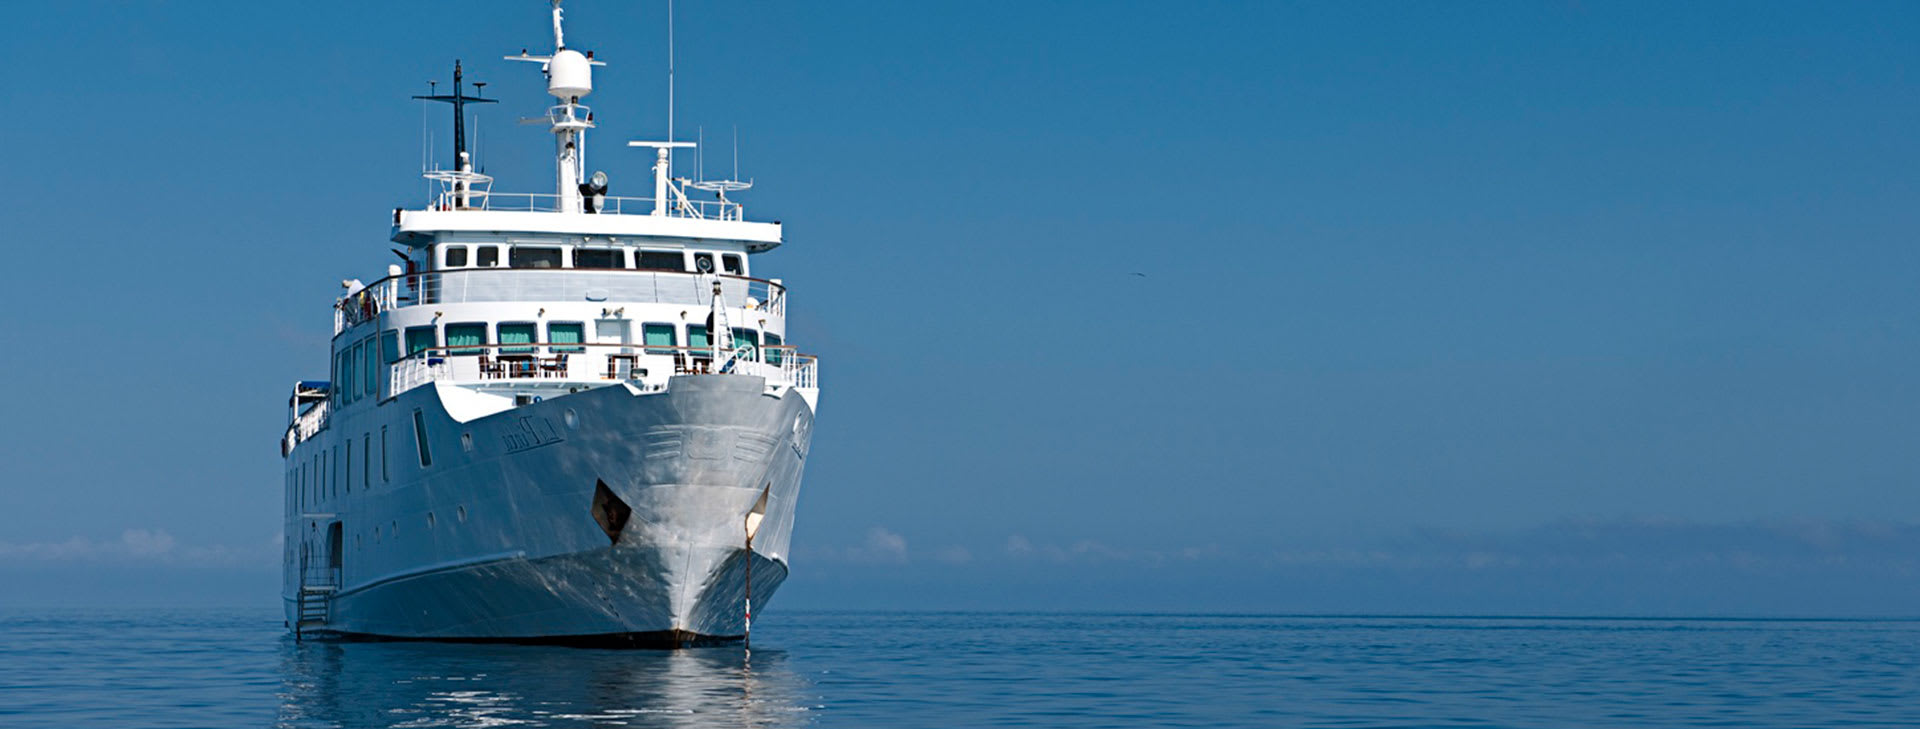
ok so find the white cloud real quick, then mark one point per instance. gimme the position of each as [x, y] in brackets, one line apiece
[954, 555]
[141, 546]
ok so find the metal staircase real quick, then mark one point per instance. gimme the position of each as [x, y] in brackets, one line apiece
[314, 600]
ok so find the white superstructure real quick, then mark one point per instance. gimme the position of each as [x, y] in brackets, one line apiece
[565, 417]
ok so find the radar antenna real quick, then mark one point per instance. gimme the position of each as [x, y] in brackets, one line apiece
[720, 188]
[569, 78]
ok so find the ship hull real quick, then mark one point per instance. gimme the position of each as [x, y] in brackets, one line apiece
[607, 516]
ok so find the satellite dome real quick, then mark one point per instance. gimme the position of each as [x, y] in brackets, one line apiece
[569, 75]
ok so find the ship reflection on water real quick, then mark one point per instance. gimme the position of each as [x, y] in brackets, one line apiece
[473, 685]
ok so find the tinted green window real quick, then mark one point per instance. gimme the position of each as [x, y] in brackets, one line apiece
[746, 338]
[390, 346]
[773, 355]
[516, 334]
[659, 335]
[419, 339]
[697, 337]
[571, 332]
[466, 335]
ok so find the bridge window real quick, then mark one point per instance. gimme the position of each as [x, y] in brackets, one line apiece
[697, 336]
[773, 355]
[419, 339]
[456, 256]
[390, 346]
[663, 260]
[598, 258]
[703, 262]
[516, 334]
[525, 257]
[370, 372]
[469, 335]
[660, 335]
[566, 332]
[733, 264]
[487, 257]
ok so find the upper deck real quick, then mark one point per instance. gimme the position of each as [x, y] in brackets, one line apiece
[618, 217]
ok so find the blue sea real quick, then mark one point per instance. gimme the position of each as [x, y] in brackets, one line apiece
[236, 668]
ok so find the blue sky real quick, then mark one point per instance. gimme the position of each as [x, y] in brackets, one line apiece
[1484, 307]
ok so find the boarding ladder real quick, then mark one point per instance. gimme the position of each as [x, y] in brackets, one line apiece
[314, 600]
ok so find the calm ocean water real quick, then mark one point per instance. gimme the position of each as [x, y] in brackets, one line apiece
[236, 669]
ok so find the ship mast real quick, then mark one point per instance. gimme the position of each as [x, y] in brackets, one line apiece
[569, 78]
[462, 163]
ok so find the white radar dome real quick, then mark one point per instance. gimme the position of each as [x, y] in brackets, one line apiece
[569, 75]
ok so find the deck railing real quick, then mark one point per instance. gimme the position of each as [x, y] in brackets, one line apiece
[470, 285]
[549, 202]
[781, 365]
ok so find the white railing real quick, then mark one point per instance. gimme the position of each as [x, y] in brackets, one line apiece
[413, 372]
[310, 423]
[488, 285]
[647, 366]
[534, 202]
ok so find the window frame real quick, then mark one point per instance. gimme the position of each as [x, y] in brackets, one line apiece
[580, 329]
[500, 337]
[467, 349]
[559, 257]
[639, 259]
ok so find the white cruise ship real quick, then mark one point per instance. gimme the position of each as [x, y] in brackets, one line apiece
[565, 417]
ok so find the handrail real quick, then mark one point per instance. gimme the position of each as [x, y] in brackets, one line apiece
[434, 286]
[781, 364]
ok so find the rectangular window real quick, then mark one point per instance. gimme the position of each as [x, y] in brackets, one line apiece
[525, 257]
[487, 257]
[346, 384]
[420, 437]
[566, 332]
[419, 339]
[390, 346]
[469, 335]
[663, 260]
[366, 460]
[746, 337]
[370, 369]
[697, 336]
[703, 262]
[598, 258]
[516, 334]
[333, 485]
[385, 475]
[659, 335]
[349, 473]
[336, 390]
[456, 256]
[773, 355]
[733, 265]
